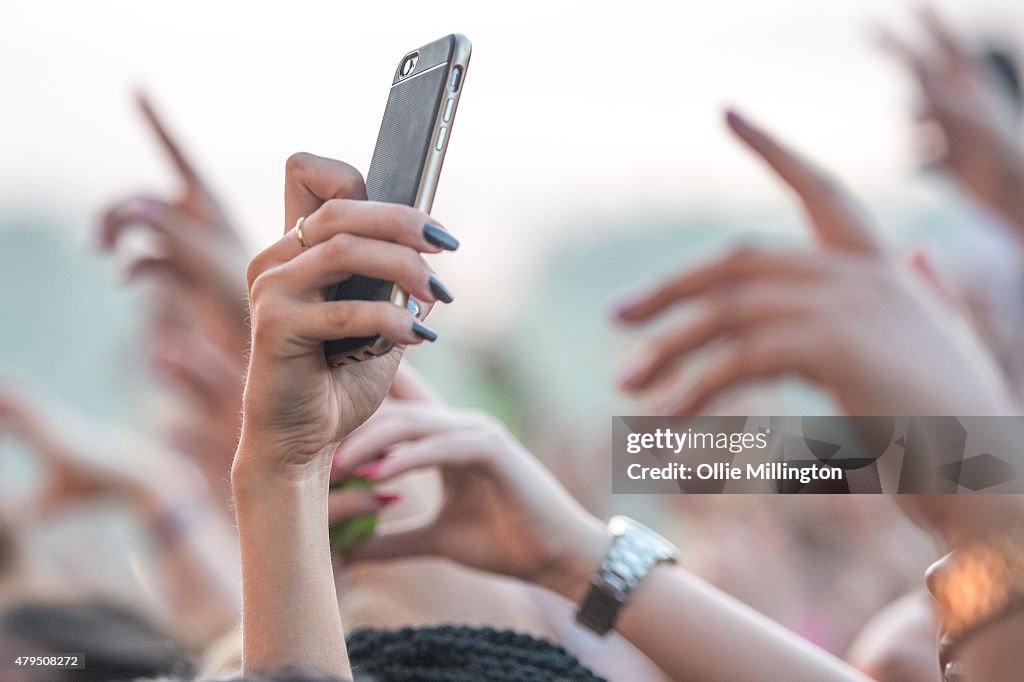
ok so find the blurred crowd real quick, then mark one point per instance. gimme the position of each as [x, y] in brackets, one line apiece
[473, 531]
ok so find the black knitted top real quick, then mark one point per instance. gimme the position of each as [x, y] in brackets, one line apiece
[461, 654]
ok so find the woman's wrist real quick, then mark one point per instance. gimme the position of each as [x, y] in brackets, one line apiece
[260, 458]
[573, 570]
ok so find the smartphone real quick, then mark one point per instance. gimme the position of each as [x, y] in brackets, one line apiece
[406, 165]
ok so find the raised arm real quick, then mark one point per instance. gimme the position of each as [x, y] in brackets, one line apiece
[296, 408]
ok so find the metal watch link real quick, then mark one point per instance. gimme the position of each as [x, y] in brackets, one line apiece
[635, 550]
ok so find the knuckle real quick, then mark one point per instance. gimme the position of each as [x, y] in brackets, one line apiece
[353, 184]
[252, 271]
[343, 313]
[333, 210]
[262, 287]
[264, 319]
[298, 162]
[337, 246]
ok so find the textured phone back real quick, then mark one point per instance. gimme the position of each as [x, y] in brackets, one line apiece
[405, 138]
[399, 157]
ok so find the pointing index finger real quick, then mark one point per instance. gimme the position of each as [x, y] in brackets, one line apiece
[835, 216]
[181, 163]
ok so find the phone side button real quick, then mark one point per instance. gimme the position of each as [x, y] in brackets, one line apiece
[441, 135]
[449, 107]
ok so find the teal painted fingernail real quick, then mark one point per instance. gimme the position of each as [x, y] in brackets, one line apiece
[439, 290]
[424, 332]
[440, 237]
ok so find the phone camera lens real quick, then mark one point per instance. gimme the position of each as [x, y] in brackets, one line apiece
[408, 65]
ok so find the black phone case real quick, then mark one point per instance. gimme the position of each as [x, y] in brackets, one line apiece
[399, 157]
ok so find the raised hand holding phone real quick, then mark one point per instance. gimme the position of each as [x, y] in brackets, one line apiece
[406, 165]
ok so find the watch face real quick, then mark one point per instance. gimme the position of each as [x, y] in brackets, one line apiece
[642, 536]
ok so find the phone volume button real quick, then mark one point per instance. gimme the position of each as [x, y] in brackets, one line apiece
[441, 135]
[449, 107]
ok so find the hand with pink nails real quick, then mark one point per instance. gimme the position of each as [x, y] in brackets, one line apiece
[501, 510]
[296, 407]
[845, 316]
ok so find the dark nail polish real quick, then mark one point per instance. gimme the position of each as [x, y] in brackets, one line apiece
[440, 237]
[424, 332]
[439, 290]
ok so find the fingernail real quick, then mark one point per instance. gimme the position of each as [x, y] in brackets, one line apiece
[424, 332]
[633, 373]
[624, 309]
[440, 237]
[439, 290]
[384, 499]
[336, 457]
[368, 470]
[736, 119]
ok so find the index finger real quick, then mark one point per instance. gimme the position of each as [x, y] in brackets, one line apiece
[184, 166]
[943, 34]
[835, 216]
[901, 50]
[310, 181]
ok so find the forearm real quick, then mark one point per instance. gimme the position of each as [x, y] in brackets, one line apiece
[290, 617]
[676, 619]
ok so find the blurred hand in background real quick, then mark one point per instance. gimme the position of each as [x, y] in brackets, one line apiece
[198, 333]
[976, 110]
[84, 462]
[847, 317]
[197, 245]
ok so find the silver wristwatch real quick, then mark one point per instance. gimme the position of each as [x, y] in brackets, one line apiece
[635, 550]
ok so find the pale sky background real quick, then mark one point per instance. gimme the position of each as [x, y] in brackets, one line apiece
[572, 110]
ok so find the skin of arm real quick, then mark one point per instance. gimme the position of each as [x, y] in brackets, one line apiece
[676, 619]
[296, 408]
[287, 577]
[503, 512]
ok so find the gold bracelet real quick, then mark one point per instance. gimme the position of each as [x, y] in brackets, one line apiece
[978, 584]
